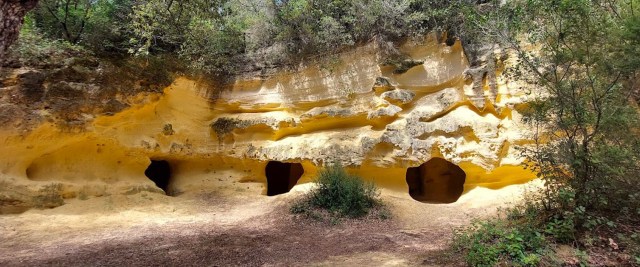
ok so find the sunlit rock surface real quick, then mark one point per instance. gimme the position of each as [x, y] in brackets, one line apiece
[376, 122]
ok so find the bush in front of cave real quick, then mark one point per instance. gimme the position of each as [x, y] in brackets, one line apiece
[338, 194]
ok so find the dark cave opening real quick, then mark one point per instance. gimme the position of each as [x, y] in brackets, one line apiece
[282, 176]
[159, 171]
[436, 181]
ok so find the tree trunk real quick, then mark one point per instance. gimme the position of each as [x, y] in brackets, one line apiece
[12, 14]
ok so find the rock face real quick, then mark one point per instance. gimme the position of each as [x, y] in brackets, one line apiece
[368, 117]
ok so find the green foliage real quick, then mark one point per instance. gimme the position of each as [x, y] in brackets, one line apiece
[526, 236]
[212, 47]
[582, 73]
[34, 49]
[491, 242]
[344, 193]
[340, 193]
[309, 27]
[318, 27]
[439, 15]
[99, 25]
[223, 36]
[201, 32]
[529, 235]
[563, 228]
[107, 28]
[64, 19]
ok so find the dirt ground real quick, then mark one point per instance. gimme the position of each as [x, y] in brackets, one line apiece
[234, 226]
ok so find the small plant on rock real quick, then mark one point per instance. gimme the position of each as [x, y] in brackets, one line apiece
[49, 196]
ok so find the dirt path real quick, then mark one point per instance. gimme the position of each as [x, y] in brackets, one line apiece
[233, 228]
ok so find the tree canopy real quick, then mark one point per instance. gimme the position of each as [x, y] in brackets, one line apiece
[219, 36]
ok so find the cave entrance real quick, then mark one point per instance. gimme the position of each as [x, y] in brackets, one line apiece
[159, 171]
[282, 176]
[436, 181]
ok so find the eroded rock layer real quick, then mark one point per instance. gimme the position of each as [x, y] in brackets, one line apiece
[373, 120]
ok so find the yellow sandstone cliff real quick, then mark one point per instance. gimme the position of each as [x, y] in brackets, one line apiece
[461, 123]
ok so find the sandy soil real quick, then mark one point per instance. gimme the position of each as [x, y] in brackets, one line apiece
[234, 226]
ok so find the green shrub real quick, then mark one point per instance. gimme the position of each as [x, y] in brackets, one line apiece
[516, 240]
[340, 193]
[34, 49]
[528, 236]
